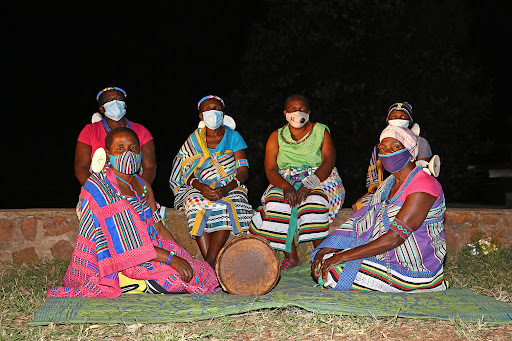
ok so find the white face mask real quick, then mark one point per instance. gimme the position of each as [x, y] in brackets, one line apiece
[297, 119]
[399, 123]
[114, 110]
[213, 118]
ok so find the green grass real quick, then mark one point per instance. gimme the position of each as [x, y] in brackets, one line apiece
[23, 290]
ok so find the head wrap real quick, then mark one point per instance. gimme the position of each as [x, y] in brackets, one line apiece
[404, 135]
[208, 97]
[401, 106]
[109, 88]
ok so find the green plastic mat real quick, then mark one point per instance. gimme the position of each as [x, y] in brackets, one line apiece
[295, 288]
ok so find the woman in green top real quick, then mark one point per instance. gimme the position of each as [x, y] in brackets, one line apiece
[305, 191]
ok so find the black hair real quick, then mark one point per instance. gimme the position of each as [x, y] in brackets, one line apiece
[295, 96]
[101, 100]
[110, 135]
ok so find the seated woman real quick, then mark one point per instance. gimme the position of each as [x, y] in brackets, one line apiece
[305, 191]
[112, 104]
[395, 243]
[207, 179]
[399, 115]
[121, 244]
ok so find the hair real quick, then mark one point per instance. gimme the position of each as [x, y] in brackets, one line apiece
[110, 135]
[289, 98]
[102, 95]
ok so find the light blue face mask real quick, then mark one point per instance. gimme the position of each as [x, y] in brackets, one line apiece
[213, 118]
[115, 109]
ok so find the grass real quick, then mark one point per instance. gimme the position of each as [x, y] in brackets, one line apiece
[23, 291]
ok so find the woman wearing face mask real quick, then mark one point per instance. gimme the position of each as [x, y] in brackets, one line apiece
[399, 115]
[305, 191]
[112, 104]
[207, 179]
[396, 243]
[122, 246]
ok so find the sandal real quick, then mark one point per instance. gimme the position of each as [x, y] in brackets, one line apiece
[288, 263]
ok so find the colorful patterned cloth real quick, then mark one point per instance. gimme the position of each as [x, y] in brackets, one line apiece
[216, 168]
[416, 265]
[117, 235]
[310, 220]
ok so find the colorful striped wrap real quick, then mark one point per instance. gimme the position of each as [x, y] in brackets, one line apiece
[310, 220]
[419, 258]
[114, 237]
[216, 169]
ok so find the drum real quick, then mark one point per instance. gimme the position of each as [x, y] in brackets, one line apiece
[247, 266]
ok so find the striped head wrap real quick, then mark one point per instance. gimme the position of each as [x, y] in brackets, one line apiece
[208, 97]
[109, 88]
[404, 135]
[401, 106]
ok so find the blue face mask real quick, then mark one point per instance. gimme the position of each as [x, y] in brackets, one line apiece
[396, 161]
[115, 109]
[213, 118]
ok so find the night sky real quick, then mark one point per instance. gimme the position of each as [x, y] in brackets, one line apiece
[166, 57]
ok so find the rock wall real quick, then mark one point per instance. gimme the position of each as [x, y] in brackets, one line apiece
[29, 234]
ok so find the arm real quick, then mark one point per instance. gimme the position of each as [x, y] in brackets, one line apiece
[82, 162]
[413, 213]
[148, 161]
[324, 170]
[272, 171]
[160, 228]
[242, 174]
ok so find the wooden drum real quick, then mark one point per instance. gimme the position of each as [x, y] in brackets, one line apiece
[247, 266]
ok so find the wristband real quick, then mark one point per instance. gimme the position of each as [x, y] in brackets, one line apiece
[237, 181]
[191, 181]
[241, 163]
[171, 254]
[156, 216]
[311, 181]
[399, 227]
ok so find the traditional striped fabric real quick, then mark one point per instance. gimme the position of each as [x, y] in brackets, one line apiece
[89, 275]
[232, 212]
[274, 220]
[420, 256]
[374, 275]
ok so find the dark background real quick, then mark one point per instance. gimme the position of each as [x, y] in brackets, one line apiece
[351, 58]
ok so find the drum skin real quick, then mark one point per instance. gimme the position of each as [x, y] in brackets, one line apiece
[247, 266]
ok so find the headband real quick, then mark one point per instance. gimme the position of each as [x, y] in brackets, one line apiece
[404, 135]
[110, 88]
[208, 97]
[401, 106]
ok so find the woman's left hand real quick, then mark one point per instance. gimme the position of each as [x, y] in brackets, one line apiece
[222, 191]
[302, 194]
[334, 260]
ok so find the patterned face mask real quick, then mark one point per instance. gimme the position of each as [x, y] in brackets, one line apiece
[127, 162]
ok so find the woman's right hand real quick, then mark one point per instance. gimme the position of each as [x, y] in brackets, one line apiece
[290, 196]
[317, 261]
[183, 267]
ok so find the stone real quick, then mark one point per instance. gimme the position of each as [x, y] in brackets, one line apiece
[56, 227]
[62, 250]
[6, 231]
[27, 256]
[29, 228]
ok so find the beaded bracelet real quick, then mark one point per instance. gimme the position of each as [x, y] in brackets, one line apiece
[156, 216]
[191, 181]
[171, 254]
[237, 182]
[311, 181]
[399, 227]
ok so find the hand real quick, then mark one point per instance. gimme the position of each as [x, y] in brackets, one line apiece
[208, 192]
[221, 191]
[183, 267]
[302, 194]
[315, 268]
[290, 196]
[334, 260]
